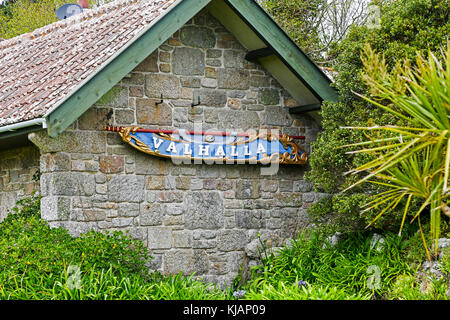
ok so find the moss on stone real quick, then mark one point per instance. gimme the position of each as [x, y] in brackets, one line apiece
[109, 97]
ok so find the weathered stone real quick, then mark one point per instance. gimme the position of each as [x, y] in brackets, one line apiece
[165, 47]
[155, 183]
[259, 81]
[188, 62]
[209, 83]
[101, 188]
[211, 98]
[190, 82]
[134, 78]
[164, 56]
[239, 119]
[288, 199]
[247, 189]
[302, 186]
[253, 249]
[183, 183]
[165, 84]
[151, 214]
[213, 62]
[95, 118]
[177, 221]
[111, 164]
[236, 94]
[116, 97]
[249, 219]
[159, 238]
[276, 117]
[54, 208]
[52, 162]
[170, 196]
[151, 165]
[174, 42]
[126, 188]
[232, 240]
[269, 185]
[70, 142]
[233, 78]
[128, 210]
[93, 215]
[182, 239]
[286, 186]
[164, 67]
[174, 209]
[136, 91]
[149, 113]
[186, 260]
[234, 104]
[204, 210]
[211, 116]
[71, 184]
[150, 64]
[269, 96]
[124, 117]
[199, 37]
[213, 53]
[234, 59]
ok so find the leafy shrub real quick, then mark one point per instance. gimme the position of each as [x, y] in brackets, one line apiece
[291, 291]
[407, 287]
[407, 27]
[28, 243]
[349, 266]
[36, 262]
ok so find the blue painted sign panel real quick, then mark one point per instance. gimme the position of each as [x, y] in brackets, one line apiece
[220, 148]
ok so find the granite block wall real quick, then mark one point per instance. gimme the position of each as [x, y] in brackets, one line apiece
[193, 217]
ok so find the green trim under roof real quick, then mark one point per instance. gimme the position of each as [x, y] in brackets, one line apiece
[267, 29]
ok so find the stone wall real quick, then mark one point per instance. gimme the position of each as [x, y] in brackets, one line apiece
[202, 218]
[19, 169]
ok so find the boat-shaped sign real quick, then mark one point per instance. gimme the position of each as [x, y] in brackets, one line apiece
[218, 147]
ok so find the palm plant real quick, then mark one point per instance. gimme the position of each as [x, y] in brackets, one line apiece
[411, 161]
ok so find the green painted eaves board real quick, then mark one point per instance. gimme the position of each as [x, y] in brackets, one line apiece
[286, 49]
[72, 108]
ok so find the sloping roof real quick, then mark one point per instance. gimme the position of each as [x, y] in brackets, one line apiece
[57, 72]
[38, 69]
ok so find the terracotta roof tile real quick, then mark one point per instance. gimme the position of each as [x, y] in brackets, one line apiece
[39, 69]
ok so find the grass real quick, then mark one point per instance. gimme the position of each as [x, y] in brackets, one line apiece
[39, 262]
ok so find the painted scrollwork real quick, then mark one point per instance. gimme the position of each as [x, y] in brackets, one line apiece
[296, 154]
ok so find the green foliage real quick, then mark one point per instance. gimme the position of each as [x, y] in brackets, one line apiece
[407, 27]
[410, 161]
[27, 207]
[23, 16]
[348, 267]
[28, 243]
[291, 291]
[36, 262]
[299, 19]
[407, 287]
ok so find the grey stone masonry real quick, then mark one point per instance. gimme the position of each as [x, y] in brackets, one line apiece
[193, 217]
[19, 170]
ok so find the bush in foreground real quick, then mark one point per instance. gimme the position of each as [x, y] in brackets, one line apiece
[39, 262]
[43, 263]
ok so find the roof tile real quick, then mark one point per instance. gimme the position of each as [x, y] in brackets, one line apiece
[40, 68]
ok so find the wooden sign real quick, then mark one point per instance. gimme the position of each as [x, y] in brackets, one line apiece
[219, 147]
